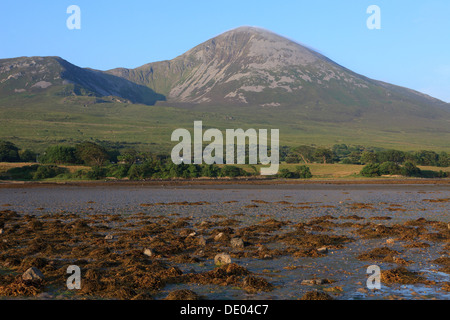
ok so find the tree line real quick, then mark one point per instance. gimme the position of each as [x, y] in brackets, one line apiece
[342, 153]
[106, 161]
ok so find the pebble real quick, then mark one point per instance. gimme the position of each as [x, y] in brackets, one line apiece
[148, 252]
[323, 250]
[313, 282]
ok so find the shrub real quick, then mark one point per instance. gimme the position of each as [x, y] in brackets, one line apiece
[210, 170]
[27, 156]
[371, 170]
[286, 174]
[292, 159]
[59, 155]
[21, 173]
[389, 168]
[232, 171]
[118, 171]
[8, 152]
[46, 172]
[409, 169]
[92, 154]
[96, 173]
[303, 172]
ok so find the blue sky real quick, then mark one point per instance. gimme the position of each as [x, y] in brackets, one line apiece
[412, 49]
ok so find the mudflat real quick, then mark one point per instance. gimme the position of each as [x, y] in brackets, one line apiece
[275, 241]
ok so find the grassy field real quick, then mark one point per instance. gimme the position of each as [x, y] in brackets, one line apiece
[36, 123]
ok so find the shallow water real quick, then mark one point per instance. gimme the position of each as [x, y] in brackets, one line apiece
[300, 203]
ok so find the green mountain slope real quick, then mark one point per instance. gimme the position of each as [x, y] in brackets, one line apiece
[244, 78]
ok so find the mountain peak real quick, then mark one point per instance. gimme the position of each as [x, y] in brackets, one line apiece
[252, 66]
[249, 29]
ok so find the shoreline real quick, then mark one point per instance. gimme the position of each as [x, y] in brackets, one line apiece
[219, 182]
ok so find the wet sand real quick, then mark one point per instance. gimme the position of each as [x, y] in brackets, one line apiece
[297, 238]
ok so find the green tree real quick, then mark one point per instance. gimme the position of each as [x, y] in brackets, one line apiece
[305, 153]
[324, 155]
[8, 152]
[368, 157]
[303, 172]
[286, 174]
[210, 170]
[371, 170]
[426, 158]
[59, 155]
[232, 171]
[389, 168]
[45, 172]
[444, 159]
[27, 156]
[92, 154]
[409, 169]
[392, 156]
[129, 156]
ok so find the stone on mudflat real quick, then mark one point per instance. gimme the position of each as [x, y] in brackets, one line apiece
[32, 274]
[148, 252]
[237, 243]
[222, 258]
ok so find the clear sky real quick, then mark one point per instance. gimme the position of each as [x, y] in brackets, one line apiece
[412, 49]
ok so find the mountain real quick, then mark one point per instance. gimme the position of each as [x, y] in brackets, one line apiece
[244, 78]
[254, 67]
[37, 75]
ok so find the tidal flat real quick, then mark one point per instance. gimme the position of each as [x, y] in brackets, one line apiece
[281, 242]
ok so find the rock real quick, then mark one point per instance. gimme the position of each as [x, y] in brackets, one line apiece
[182, 295]
[237, 243]
[1, 231]
[252, 284]
[313, 282]
[316, 295]
[32, 274]
[109, 237]
[222, 258]
[262, 248]
[204, 224]
[201, 241]
[220, 236]
[323, 250]
[45, 296]
[363, 290]
[390, 241]
[148, 252]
